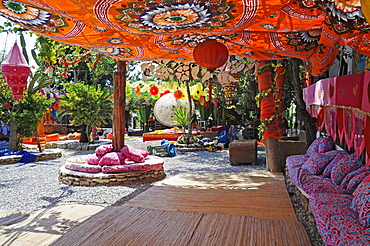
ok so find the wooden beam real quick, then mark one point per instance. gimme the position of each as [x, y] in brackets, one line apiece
[119, 94]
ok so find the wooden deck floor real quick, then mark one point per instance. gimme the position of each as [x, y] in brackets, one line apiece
[198, 209]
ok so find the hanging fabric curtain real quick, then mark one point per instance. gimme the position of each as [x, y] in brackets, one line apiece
[340, 123]
[348, 127]
[333, 122]
[359, 132]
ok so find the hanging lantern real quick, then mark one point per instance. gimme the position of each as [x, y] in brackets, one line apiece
[211, 55]
[16, 71]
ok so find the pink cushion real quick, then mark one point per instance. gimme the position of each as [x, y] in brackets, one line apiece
[86, 168]
[93, 159]
[103, 149]
[152, 163]
[317, 162]
[133, 154]
[112, 158]
[320, 145]
[344, 166]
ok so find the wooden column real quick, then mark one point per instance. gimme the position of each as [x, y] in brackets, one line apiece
[119, 104]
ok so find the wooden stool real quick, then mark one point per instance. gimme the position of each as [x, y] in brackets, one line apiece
[243, 151]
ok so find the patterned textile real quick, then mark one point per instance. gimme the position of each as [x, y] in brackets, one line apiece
[296, 160]
[317, 184]
[361, 202]
[353, 179]
[344, 166]
[317, 162]
[329, 167]
[336, 222]
[320, 145]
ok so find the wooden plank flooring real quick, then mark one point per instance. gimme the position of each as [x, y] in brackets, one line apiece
[228, 209]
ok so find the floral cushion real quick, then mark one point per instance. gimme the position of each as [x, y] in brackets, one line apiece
[317, 162]
[112, 158]
[344, 166]
[340, 154]
[93, 159]
[103, 149]
[133, 154]
[337, 223]
[320, 145]
[353, 179]
[361, 203]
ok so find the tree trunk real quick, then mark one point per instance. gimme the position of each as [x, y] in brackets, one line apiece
[119, 107]
[13, 138]
[273, 155]
[303, 114]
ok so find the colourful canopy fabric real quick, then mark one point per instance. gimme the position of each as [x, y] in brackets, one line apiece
[312, 30]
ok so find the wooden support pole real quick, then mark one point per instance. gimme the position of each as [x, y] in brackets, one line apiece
[119, 104]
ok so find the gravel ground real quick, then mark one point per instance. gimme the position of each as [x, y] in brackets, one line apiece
[34, 186]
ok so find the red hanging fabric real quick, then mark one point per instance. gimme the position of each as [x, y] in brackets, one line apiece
[348, 127]
[340, 124]
[359, 139]
[367, 140]
[333, 122]
[320, 118]
[327, 120]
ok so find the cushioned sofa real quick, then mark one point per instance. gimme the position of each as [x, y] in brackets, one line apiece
[337, 185]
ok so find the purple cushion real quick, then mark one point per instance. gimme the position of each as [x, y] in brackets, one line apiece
[361, 203]
[317, 162]
[325, 144]
[353, 179]
[320, 145]
[318, 184]
[344, 166]
[340, 154]
[103, 149]
[296, 160]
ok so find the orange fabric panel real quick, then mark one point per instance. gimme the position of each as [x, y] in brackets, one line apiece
[154, 30]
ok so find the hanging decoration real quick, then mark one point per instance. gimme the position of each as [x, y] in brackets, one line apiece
[211, 55]
[344, 108]
[16, 71]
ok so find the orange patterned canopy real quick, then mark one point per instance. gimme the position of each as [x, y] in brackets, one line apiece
[312, 30]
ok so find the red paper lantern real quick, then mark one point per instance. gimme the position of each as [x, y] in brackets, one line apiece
[16, 71]
[211, 55]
